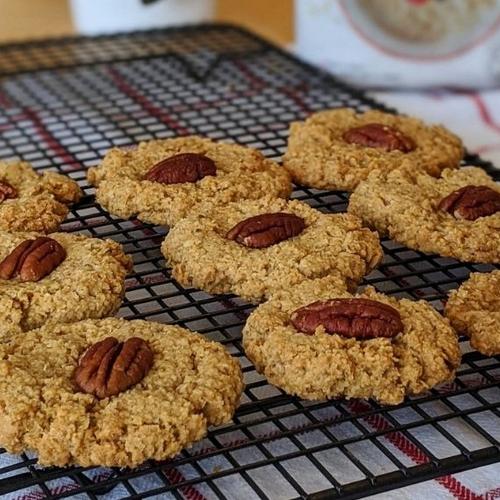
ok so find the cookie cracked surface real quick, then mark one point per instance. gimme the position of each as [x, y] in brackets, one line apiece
[89, 283]
[241, 173]
[201, 254]
[41, 201]
[403, 204]
[319, 156]
[323, 365]
[192, 384]
[474, 310]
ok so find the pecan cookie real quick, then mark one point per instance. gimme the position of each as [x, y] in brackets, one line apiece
[254, 248]
[474, 309]
[319, 341]
[336, 149]
[455, 215]
[34, 202]
[112, 392]
[163, 181]
[60, 278]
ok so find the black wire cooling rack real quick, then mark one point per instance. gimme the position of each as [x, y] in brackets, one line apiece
[64, 103]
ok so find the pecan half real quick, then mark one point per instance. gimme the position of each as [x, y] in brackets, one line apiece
[265, 230]
[186, 167]
[7, 191]
[359, 318]
[110, 367]
[32, 260]
[471, 202]
[377, 135]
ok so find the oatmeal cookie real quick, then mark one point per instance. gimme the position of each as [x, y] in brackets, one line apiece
[426, 23]
[129, 183]
[189, 384]
[204, 251]
[320, 365]
[34, 202]
[474, 310]
[87, 282]
[336, 149]
[407, 205]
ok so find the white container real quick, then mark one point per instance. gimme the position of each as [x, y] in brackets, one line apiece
[92, 17]
[403, 43]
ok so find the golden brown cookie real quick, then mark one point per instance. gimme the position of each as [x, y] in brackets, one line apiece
[432, 214]
[474, 310]
[34, 202]
[336, 149]
[176, 384]
[87, 280]
[219, 249]
[356, 363]
[131, 183]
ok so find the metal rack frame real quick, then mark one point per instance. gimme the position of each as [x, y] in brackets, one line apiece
[64, 102]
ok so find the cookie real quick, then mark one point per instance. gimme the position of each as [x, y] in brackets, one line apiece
[432, 29]
[337, 149]
[366, 345]
[474, 310]
[62, 278]
[174, 386]
[453, 215]
[34, 202]
[163, 181]
[254, 248]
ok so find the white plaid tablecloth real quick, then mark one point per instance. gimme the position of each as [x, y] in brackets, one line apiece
[476, 118]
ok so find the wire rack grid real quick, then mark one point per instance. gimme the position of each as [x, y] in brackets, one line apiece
[64, 102]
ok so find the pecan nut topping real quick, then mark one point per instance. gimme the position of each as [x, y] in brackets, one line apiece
[377, 135]
[471, 202]
[186, 167]
[7, 191]
[32, 260]
[358, 318]
[264, 230]
[109, 367]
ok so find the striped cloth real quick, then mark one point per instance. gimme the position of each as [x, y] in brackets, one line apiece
[474, 116]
